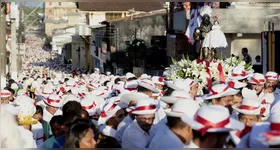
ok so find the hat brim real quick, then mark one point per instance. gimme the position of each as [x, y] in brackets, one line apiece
[228, 92]
[57, 105]
[170, 113]
[128, 97]
[239, 77]
[144, 112]
[169, 99]
[232, 125]
[250, 81]
[172, 86]
[153, 89]
[247, 112]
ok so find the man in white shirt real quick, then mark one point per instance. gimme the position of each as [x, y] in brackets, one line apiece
[136, 135]
[177, 134]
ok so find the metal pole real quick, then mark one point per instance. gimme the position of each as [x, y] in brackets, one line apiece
[14, 53]
[3, 58]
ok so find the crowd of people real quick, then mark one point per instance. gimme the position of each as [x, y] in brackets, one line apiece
[107, 111]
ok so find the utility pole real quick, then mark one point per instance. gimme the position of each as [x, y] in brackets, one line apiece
[20, 31]
[3, 58]
[14, 52]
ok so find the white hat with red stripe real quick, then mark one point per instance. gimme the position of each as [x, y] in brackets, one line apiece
[158, 80]
[250, 107]
[131, 86]
[70, 84]
[89, 105]
[71, 98]
[145, 107]
[46, 91]
[128, 97]
[213, 118]
[236, 84]
[92, 86]
[239, 73]
[271, 76]
[183, 107]
[220, 90]
[53, 100]
[107, 112]
[5, 94]
[129, 75]
[175, 95]
[271, 136]
[101, 91]
[145, 76]
[257, 79]
[148, 84]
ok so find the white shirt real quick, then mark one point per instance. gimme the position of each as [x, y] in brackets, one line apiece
[37, 130]
[122, 126]
[47, 116]
[108, 131]
[135, 137]
[27, 136]
[191, 145]
[166, 139]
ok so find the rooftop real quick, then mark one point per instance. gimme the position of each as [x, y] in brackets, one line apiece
[120, 6]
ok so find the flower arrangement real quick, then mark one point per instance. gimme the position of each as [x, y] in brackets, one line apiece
[204, 72]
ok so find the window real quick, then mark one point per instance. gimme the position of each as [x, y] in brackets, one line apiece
[50, 3]
[111, 16]
[59, 3]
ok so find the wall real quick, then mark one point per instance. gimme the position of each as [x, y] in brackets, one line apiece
[145, 28]
[54, 10]
[49, 27]
[76, 43]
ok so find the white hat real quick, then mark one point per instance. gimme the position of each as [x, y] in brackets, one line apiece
[70, 84]
[108, 73]
[53, 100]
[145, 106]
[175, 95]
[250, 107]
[27, 110]
[128, 97]
[129, 75]
[239, 73]
[107, 112]
[148, 84]
[89, 105]
[71, 98]
[213, 118]
[92, 86]
[183, 107]
[22, 99]
[220, 90]
[271, 76]
[272, 134]
[145, 76]
[257, 79]
[158, 80]
[14, 86]
[46, 91]
[5, 94]
[101, 91]
[236, 84]
[131, 85]
[182, 84]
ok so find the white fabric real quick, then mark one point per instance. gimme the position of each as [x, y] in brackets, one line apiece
[27, 135]
[159, 115]
[122, 126]
[166, 139]
[191, 145]
[37, 130]
[135, 137]
[47, 116]
[108, 131]
[215, 38]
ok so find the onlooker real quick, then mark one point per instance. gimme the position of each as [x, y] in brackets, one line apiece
[246, 57]
[258, 68]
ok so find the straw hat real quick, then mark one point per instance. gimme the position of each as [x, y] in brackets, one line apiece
[239, 73]
[145, 107]
[250, 107]
[107, 112]
[131, 85]
[213, 118]
[128, 97]
[183, 107]
[5, 94]
[220, 90]
[158, 80]
[46, 91]
[71, 98]
[89, 105]
[53, 100]
[236, 84]
[271, 76]
[175, 95]
[145, 77]
[148, 84]
[257, 79]
[129, 75]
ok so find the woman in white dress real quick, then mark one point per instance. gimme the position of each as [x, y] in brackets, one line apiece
[215, 38]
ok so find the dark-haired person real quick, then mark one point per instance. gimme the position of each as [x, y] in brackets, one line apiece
[80, 135]
[108, 142]
[246, 57]
[37, 129]
[38, 114]
[258, 67]
[57, 124]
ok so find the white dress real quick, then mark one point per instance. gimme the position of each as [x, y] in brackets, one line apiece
[215, 38]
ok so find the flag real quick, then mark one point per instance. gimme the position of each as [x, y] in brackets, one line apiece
[194, 22]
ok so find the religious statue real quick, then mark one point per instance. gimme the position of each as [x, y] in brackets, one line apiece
[201, 32]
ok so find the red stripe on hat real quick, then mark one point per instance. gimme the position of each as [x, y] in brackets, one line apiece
[208, 125]
[243, 74]
[148, 83]
[246, 107]
[87, 107]
[258, 81]
[103, 114]
[267, 77]
[215, 93]
[52, 100]
[131, 89]
[275, 126]
[271, 135]
[145, 108]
